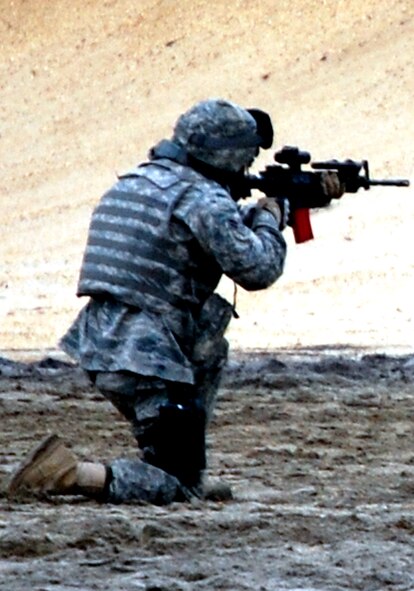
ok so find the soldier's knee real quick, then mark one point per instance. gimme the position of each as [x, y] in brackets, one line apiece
[134, 480]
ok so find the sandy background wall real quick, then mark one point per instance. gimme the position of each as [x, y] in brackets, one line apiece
[86, 87]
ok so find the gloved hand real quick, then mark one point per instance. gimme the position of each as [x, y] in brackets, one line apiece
[331, 184]
[279, 207]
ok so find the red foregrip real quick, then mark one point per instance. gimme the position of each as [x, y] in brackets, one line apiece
[302, 228]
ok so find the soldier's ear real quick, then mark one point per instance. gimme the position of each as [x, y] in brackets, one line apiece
[264, 127]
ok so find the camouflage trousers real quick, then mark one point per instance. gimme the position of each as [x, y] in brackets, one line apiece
[141, 401]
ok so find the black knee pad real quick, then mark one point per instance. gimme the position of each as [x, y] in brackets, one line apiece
[180, 446]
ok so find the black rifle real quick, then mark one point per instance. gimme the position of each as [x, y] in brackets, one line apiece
[303, 188]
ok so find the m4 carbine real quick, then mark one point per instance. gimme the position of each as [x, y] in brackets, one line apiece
[303, 189]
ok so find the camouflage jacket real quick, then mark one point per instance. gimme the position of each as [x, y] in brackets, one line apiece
[148, 284]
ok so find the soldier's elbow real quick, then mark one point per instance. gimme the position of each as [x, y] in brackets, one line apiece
[261, 282]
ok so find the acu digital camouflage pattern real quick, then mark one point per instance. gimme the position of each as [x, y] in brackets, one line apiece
[165, 217]
[110, 334]
[135, 480]
[217, 120]
[136, 250]
[139, 400]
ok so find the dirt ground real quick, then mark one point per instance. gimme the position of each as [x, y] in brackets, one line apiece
[314, 421]
[319, 453]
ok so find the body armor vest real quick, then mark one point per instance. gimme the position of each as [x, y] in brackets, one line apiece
[136, 254]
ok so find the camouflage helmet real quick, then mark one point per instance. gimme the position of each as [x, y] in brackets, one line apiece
[222, 134]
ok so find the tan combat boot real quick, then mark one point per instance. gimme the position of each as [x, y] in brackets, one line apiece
[52, 468]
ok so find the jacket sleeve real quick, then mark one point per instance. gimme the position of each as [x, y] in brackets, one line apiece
[252, 257]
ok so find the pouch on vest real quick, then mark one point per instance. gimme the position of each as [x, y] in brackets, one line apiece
[211, 325]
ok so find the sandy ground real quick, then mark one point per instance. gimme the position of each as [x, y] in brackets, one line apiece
[84, 97]
[319, 450]
[319, 454]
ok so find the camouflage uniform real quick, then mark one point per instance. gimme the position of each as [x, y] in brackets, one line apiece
[158, 244]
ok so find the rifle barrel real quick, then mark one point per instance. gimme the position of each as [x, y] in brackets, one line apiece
[390, 182]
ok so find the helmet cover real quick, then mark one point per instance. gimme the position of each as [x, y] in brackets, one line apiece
[220, 134]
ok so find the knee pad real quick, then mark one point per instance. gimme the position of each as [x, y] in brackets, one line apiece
[180, 446]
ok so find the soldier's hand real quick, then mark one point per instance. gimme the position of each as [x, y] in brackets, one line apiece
[331, 184]
[278, 207]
